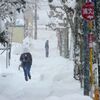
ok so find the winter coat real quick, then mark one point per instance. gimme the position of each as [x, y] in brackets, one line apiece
[26, 58]
[47, 45]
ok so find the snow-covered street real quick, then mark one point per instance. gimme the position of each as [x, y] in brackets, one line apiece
[52, 77]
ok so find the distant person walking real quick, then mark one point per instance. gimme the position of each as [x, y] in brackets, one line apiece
[26, 62]
[47, 48]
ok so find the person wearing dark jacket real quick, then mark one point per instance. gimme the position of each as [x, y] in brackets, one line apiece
[26, 62]
[47, 48]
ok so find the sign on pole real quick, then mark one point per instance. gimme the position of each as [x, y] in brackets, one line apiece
[90, 40]
[88, 11]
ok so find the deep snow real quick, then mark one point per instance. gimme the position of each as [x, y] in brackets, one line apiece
[52, 77]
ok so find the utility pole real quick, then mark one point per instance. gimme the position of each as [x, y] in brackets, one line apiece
[86, 57]
[88, 39]
[97, 30]
[86, 60]
[97, 23]
[35, 22]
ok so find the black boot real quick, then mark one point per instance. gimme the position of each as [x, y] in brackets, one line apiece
[26, 78]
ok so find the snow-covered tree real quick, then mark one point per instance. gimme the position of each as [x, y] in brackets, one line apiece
[63, 14]
[7, 11]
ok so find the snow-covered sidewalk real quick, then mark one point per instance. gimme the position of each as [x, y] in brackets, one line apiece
[52, 77]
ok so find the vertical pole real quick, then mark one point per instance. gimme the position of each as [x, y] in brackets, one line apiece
[66, 39]
[7, 57]
[60, 43]
[91, 70]
[35, 34]
[6, 60]
[67, 33]
[90, 40]
[91, 63]
[97, 24]
[86, 60]
[81, 59]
